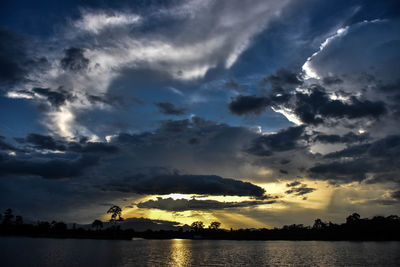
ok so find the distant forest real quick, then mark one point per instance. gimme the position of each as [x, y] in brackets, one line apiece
[355, 228]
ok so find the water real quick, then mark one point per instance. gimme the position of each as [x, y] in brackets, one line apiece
[21, 251]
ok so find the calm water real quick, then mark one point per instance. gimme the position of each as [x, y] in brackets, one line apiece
[16, 251]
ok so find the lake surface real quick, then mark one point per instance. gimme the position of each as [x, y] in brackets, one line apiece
[22, 251]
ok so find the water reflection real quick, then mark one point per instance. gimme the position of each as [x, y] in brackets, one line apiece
[180, 253]
[76, 252]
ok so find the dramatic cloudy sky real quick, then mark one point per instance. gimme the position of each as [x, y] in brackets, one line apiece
[253, 113]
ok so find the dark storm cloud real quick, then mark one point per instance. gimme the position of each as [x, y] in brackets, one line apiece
[188, 144]
[15, 63]
[284, 161]
[48, 169]
[295, 183]
[193, 141]
[299, 189]
[284, 140]
[282, 78]
[98, 99]
[185, 184]
[56, 98]
[6, 146]
[388, 87]
[177, 205]
[331, 80]
[387, 147]
[380, 158]
[93, 148]
[248, 104]
[168, 108]
[352, 151]
[74, 60]
[396, 195]
[196, 127]
[317, 106]
[194, 146]
[348, 138]
[43, 142]
[10, 53]
[252, 104]
[175, 126]
[328, 138]
[385, 202]
[312, 108]
[125, 138]
[47, 142]
[357, 170]
[343, 171]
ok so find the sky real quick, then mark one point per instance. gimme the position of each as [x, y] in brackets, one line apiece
[253, 113]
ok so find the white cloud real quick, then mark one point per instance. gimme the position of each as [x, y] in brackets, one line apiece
[97, 21]
[351, 55]
[352, 51]
[209, 34]
[175, 91]
[309, 71]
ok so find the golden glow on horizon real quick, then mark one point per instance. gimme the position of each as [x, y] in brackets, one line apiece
[319, 201]
[237, 221]
[232, 217]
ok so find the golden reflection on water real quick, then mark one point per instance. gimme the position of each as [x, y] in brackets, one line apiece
[180, 253]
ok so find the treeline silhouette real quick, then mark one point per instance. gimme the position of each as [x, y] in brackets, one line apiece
[355, 228]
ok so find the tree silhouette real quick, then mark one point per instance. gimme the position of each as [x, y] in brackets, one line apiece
[355, 228]
[214, 225]
[197, 225]
[115, 211]
[59, 227]
[97, 224]
[353, 218]
[319, 224]
[18, 220]
[8, 216]
[43, 226]
[393, 217]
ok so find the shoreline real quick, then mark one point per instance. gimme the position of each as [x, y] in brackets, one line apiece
[135, 238]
